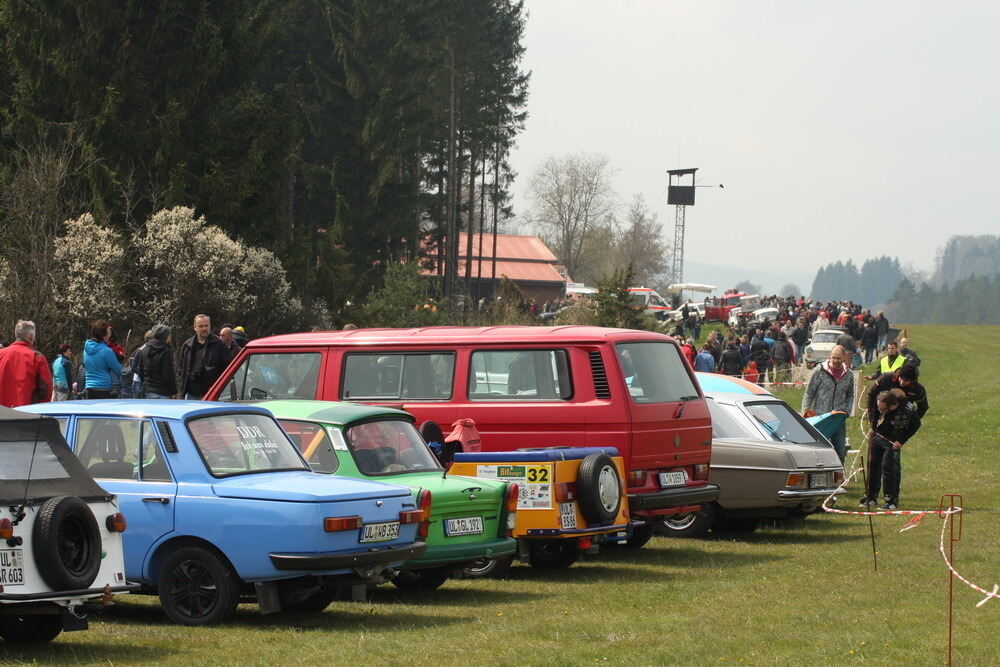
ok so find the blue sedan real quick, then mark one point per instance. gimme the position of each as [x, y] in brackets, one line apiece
[221, 505]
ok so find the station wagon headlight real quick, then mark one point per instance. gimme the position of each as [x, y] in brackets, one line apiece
[796, 480]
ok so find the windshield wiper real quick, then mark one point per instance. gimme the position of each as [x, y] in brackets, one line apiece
[769, 428]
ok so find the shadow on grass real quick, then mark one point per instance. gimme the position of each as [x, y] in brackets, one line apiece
[592, 569]
[342, 616]
[454, 597]
[685, 553]
[66, 650]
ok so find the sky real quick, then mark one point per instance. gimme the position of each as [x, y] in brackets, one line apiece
[841, 130]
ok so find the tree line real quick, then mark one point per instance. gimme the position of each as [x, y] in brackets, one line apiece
[339, 134]
[873, 284]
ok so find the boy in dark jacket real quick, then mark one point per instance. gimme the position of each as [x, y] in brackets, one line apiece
[157, 364]
[896, 423]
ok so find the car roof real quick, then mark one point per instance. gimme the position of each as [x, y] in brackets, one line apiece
[837, 330]
[331, 412]
[142, 408]
[456, 335]
[715, 383]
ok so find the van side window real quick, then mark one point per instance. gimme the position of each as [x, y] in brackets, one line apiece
[520, 375]
[260, 376]
[654, 372]
[398, 375]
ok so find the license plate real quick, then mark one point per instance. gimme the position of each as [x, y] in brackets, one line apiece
[380, 532]
[11, 567]
[469, 525]
[672, 478]
[818, 480]
[567, 515]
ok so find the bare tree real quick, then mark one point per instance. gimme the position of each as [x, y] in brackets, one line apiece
[571, 194]
[641, 243]
[790, 289]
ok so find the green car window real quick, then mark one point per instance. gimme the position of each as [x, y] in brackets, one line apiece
[389, 446]
[313, 442]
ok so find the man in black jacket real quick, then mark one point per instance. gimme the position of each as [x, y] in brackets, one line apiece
[156, 363]
[203, 358]
[731, 362]
[869, 341]
[895, 424]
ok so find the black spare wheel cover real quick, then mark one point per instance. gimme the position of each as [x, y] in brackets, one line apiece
[67, 543]
[599, 488]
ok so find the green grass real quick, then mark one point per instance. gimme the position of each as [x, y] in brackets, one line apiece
[796, 593]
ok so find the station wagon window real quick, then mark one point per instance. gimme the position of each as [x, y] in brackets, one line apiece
[655, 373]
[120, 449]
[389, 446]
[313, 442]
[780, 422]
[284, 375]
[520, 375]
[729, 422]
[398, 375]
[237, 444]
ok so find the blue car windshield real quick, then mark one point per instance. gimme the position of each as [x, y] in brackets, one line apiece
[237, 444]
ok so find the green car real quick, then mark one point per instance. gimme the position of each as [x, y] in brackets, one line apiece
[470, 519]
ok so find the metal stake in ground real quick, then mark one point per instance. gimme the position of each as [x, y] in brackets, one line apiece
[864, 480]
[951, 499]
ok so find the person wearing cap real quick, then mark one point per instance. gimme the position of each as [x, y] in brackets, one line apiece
[157, 364]
[916, 395]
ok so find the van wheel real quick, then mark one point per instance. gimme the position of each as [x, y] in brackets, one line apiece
[198, 587]
[600, 489]
[638, 537]
[690, 524]
[492, 568]
[421, 580]
[67, 543]
[553, 554]
[741, 526]
[30, 629]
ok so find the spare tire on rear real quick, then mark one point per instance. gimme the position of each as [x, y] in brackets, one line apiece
[66, 543]
[599, 488]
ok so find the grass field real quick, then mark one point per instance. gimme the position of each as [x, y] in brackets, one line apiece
[793, 593]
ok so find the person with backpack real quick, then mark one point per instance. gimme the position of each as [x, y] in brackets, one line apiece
[62, 373]
[131, 378]
[156, 365]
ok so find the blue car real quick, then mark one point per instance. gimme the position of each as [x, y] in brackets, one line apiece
[221, 506]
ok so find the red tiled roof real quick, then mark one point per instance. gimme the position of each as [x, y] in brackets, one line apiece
[520, 258]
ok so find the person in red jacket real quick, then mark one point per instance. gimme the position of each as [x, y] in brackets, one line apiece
[689, 352]
[24, 373]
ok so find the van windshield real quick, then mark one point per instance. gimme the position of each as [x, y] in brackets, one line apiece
[655, 372]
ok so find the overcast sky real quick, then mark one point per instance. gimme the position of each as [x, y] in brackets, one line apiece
[840, 129]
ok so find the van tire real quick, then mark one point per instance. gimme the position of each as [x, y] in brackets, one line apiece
[600, 489]
[553, 554]
[423, 581]
[66, 543]
[689, 524]
[638, 537]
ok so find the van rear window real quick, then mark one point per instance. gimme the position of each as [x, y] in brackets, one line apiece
[286, 375]
[654, 372]
[398, 375]
[520, 375]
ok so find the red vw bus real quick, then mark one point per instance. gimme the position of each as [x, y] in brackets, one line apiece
[525, 387]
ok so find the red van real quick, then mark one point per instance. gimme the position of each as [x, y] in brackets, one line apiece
[571, 386]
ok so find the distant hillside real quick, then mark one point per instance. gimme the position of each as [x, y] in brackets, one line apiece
[967, 256]
[725, 277]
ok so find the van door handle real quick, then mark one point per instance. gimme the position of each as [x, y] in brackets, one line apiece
[162, 500]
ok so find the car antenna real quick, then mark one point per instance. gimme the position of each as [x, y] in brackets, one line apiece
[18, 512]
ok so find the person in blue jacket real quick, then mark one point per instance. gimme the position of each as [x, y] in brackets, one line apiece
[704, 361]
[102, 364]
[62, 373]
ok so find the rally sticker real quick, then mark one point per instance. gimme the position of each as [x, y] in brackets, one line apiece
[534, 483]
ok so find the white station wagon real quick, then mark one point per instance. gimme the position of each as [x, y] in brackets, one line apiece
[60, 534]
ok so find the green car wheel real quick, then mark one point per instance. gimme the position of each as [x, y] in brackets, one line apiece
[421, 580]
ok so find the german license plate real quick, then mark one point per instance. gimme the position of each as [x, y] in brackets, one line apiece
[672, 478]
[11, 567]
[468, 525]
[380, 532]
[817, 480]
[567, 515]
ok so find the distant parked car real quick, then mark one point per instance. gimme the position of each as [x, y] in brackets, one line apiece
[822, 343]
[222, 507]
[767, 460]
[62, 550]
[471, 518]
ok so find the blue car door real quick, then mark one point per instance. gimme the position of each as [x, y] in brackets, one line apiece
[126, 457]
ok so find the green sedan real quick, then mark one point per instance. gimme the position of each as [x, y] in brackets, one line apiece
[470, 519]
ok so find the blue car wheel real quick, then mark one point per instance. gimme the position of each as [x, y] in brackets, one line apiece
[197, 587]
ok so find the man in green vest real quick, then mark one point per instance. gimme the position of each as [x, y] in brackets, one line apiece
[892, 361]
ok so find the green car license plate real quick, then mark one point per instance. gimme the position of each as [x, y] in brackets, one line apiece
[469, 525]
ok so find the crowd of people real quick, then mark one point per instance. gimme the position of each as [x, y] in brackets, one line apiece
[106, 371]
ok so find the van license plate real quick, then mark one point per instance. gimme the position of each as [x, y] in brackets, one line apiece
[567, 515]
[11, 567]
[468, 525]
[672, 478]
[380, 532]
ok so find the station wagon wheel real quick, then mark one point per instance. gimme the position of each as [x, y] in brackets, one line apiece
[421, 580]
[198, 587]
[67, 543]
[600, 489]
[690, 524]
[30, 629]
[493, 568]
